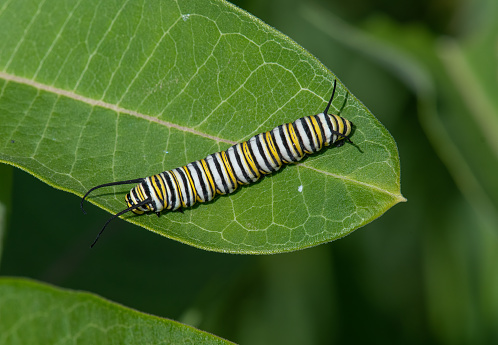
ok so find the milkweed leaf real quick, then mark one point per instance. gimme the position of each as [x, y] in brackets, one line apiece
[94, 92]
[35, 313]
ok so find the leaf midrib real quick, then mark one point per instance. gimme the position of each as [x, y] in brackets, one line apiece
[113, 107]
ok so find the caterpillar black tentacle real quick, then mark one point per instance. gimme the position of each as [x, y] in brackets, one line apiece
[243, 163]
[107, 185]
[131, 208]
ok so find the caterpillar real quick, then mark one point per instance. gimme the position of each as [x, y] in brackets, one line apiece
[241, 164]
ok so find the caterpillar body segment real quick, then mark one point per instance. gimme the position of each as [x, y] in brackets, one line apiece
[223, 172]
[241, 164]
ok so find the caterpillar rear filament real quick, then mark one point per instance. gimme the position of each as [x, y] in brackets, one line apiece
[242, 164]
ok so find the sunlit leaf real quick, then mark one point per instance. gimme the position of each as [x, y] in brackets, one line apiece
[95, 92]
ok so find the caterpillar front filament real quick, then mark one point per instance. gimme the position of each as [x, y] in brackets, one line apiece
[241, 164]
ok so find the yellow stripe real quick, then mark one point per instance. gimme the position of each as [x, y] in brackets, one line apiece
[266, 149]
[249, 159]
[178, 188]
[340, 125]
[142, 196]
[209, 176]
[163, 186]
[228, 168]
[220, 162]
[294, 140]
[128, 200]
[271, 146]
[317, 131]
[288, 136]
[191, 183]
[243, 161]
[140, 192]
[129, 203]
[157, 188]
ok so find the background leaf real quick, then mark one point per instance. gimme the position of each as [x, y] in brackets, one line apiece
[37, 313]
[122, 91]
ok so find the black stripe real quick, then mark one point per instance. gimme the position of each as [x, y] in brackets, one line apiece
[331, 128]
[286, 144]
[276, 146]
[202, 181]
[322, 130]
[146, 189]
[172, 187]
[137, 197]
[270, 152]
[230, 178]
[312, 134]
[135, 194]
[185, 186]
[129, 202]
[159, 187]
[249, 146]
[220, 172]
[344, 125]
[179, 188]
[298, 134]
[148, 193]
[166, 195]
[334, 131]
[255, 173]
[309, 134]
[240, 164]
[337, 133]
[207, 172]
[178, 191]
[290, 143]
[262, 153]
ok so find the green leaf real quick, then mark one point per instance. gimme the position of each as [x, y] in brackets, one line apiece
[95, 92]
[34, 313]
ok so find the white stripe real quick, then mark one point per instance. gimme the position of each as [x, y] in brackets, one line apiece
[304, 136]
[271, 160]
[294, 151]
[280, 145]
[230, 180]
[172, 192]
[257, 155]
[132, 195]
[237, 169]
[314, 137]
[197, 181]
[167, 192]
[211, 190]
[217, 178]
[328, 132]
[252, 175]
[180, 189]
[153, 195]
[192, 199]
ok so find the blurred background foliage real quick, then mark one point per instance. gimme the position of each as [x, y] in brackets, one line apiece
[425, 272]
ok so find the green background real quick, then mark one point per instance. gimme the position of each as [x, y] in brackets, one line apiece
[425, 272]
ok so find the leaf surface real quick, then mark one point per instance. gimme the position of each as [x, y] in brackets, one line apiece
[35, 313]
[95, 92]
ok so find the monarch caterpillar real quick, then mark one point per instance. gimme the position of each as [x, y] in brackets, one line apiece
[241, 164]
